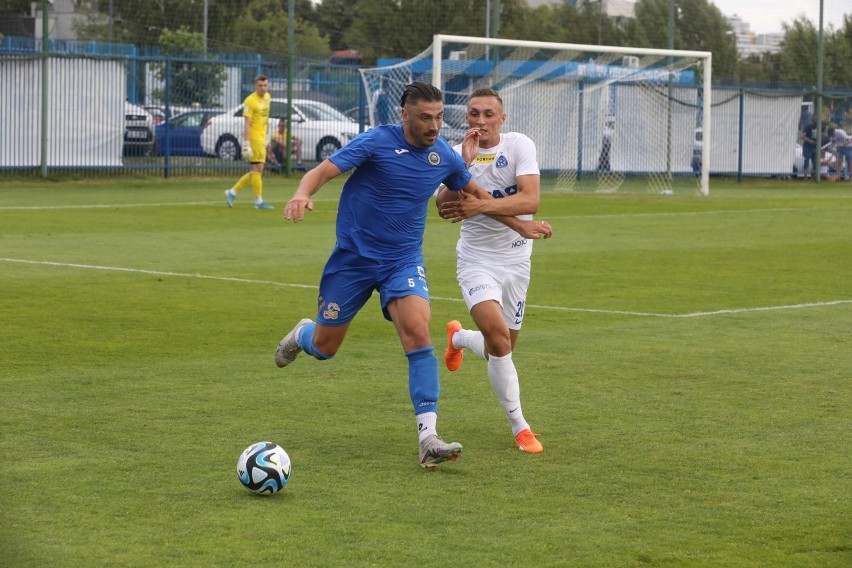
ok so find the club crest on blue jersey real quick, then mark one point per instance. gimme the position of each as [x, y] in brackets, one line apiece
[332, 311]
[502, 162]
[434, 158]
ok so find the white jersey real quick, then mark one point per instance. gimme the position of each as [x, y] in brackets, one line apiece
[496, 169]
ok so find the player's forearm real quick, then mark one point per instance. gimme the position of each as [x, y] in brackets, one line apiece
[312, 181]
[518, 204]
[444, 195]
[247, 129]
[509, 220]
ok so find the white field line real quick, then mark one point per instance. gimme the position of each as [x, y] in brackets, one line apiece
[220, 203]
[440, 298]
[106, 206]
[335, 199]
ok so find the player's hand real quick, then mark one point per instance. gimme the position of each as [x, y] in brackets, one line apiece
[464, 208]
[295, 208]
[534, 229]
[247, 153]
[470, 146]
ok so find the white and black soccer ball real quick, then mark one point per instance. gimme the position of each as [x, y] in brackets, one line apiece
[264, 468]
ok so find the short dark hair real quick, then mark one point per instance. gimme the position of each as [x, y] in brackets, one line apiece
[418, 91]
[261, 77]
[487, 92]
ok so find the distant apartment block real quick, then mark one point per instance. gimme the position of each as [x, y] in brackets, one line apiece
[750, 43]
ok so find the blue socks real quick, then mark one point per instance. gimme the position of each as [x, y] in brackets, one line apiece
[305, 339]
[423, 385]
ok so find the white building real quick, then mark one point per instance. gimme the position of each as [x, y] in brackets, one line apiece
[61, 16]
[750, 43]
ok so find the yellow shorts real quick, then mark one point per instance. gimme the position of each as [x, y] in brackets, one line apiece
[258, 151]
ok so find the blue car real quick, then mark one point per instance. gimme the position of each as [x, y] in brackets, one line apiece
[181, 135]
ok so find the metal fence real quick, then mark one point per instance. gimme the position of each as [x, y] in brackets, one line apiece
[91, 108]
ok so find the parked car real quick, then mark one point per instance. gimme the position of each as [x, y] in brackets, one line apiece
[453, 128]
[181, 135]
[157, 112]
[321, 128]
[138, 131]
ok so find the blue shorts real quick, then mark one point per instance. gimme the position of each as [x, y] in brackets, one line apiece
[348, 280]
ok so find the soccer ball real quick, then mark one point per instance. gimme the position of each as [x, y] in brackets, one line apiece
[264, 468]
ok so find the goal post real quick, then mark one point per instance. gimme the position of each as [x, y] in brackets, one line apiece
[603, 118]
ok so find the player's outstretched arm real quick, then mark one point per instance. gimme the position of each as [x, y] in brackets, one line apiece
[311, 183]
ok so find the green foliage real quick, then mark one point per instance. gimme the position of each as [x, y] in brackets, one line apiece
[263, 27]
[798, 59]
[404, 28]
[699, 26]
[140, 318]
[191, 82]
[15, 7]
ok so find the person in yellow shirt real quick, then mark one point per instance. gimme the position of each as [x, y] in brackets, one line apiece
[256, 116]
[277, 151]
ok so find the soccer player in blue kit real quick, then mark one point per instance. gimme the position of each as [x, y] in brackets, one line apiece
[380, 224]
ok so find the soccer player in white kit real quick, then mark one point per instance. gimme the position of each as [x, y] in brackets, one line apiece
[494, 252]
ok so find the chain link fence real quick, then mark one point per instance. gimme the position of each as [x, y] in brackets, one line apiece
[109, 110]
[109, 113]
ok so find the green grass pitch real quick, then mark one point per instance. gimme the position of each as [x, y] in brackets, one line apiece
[687, 360]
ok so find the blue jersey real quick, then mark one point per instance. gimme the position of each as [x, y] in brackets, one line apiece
[382, 213]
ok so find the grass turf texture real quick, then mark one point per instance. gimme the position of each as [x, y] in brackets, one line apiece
[137, 340]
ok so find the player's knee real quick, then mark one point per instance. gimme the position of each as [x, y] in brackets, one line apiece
[498, 343]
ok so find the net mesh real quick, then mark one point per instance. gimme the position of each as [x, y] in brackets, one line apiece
[601, 121]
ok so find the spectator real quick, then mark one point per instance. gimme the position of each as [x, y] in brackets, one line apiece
[843, 148]
[809, 144]
[277, 153]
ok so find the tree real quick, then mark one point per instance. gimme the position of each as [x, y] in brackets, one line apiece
[838, 54]
[15, 7]
[799, 52]
[333, 18]
[263, 27]
[699, 26]
[190, 81]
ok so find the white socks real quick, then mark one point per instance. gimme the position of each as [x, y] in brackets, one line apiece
[471, 340]
[426, 425]
[504, 381]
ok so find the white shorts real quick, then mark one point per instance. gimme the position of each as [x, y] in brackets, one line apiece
[507, 285]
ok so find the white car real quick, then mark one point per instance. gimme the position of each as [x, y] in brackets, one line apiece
[138, 130]
[321, 128]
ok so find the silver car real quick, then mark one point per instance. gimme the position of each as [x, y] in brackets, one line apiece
[321, 128]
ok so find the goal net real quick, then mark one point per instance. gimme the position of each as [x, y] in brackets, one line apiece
[603, 119]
